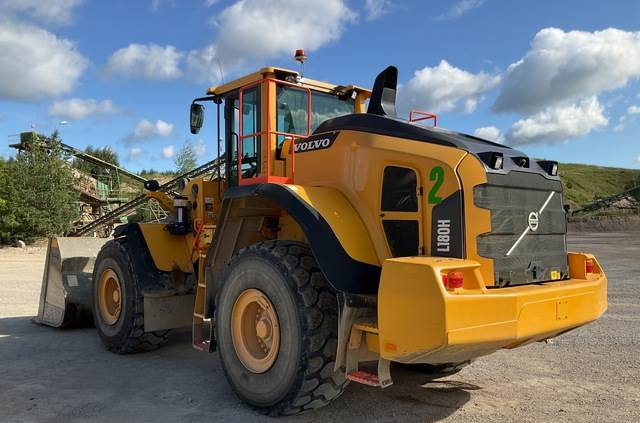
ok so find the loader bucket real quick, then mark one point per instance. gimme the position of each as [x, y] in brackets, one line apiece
[65, 296]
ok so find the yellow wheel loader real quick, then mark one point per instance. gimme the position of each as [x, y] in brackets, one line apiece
[338, 239]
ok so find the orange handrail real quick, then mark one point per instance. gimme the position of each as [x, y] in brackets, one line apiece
[268, 132]
[423, 116]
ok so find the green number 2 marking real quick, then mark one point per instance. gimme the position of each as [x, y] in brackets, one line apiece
[437, 175]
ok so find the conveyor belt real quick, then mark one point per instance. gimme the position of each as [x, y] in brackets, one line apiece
[131, 205]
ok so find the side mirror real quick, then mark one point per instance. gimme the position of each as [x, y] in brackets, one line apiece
[196, 117]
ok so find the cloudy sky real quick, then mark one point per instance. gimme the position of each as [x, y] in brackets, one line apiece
[557, 80]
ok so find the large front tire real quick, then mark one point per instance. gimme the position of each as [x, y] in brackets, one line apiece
[118, 304]
[302, 325]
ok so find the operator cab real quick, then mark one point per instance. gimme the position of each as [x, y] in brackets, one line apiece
[278, 107]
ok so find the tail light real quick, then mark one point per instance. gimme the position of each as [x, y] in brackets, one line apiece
[589, 265]
[453, 279]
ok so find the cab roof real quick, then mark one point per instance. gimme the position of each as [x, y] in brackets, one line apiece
[281, 74]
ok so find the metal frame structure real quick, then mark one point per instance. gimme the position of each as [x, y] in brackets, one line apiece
[267, 133]
[423, 116]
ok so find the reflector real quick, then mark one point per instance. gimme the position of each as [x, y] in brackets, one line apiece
[589, 265]
[455, 279]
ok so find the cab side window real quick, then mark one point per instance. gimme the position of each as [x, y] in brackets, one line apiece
[399, 189]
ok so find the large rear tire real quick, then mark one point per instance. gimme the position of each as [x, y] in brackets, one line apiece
[274, 296]
[118, 304]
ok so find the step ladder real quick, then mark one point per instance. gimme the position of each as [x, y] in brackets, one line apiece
[358, 351]
[202, 330]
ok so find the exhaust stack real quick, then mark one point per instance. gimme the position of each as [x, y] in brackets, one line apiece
[383, 95]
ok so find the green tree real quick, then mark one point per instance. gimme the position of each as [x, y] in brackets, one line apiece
[186, 159]
[151, 173]
[37, 193]
[3, 178]
[106, 154]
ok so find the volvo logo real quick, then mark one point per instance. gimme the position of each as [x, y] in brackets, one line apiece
[533, 221]
[314, 143]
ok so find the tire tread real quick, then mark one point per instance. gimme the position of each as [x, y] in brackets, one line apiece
[316, 384]
[137, 340]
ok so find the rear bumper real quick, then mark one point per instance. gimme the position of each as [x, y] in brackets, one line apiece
[420, 321]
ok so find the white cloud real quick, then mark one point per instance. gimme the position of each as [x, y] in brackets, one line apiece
[638, 159]
[633, 110]
[200, 147]
[133, 153]
[77, 108]
[51, 11]
[630, 115]
[443, 87]
[374, 9]
[460, 8]
[156, 4]
[490, 133]
[246, 33]
[168, 151]
[565, 67]
[149, 61]
[210, 3]
[558, 123]
[145, 130]
[35, 63]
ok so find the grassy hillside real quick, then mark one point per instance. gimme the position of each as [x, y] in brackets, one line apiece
[585, 183]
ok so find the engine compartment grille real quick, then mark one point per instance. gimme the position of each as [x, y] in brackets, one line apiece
[527, 241]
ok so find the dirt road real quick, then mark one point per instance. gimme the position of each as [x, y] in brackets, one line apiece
[591, 374]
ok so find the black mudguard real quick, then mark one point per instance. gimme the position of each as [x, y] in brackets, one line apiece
[343, 272]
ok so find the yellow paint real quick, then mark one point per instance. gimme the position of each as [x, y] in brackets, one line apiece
[168, 251]
[419, 320]
[165, 201]
[342, 218]
[429, 324]
[269, 72]
[373, 342]
[290, 230]
[354, 165]
[477, 220]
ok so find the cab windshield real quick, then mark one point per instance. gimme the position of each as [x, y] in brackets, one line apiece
[291, 110]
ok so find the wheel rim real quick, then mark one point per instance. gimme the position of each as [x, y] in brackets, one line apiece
[255, 331]
[109, 297]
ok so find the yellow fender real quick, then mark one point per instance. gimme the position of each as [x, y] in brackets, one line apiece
[169, 252]
[344, 220]
[327, 220]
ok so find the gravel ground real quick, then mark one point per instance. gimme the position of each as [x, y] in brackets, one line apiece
[590, 374]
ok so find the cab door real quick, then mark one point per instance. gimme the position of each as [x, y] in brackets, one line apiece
[247, 138]
[401, 210]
